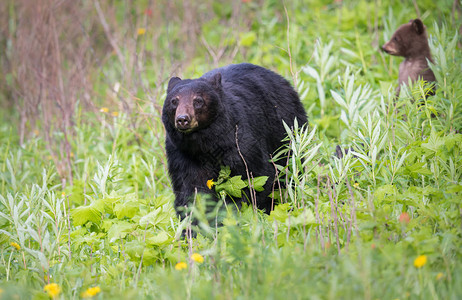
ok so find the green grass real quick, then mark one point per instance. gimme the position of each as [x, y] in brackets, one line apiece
[346, 228]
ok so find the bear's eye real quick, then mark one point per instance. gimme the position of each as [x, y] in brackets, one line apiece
[396, 39]
[198, 102]
[175, 102]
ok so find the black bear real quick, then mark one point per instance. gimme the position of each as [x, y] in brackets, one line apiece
[208, 118]
[410, 41]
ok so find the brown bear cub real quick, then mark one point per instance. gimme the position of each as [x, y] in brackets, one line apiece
[410, 41]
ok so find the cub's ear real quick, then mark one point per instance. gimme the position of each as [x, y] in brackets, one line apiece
[172, 82]
[216, 80]
[418, 26]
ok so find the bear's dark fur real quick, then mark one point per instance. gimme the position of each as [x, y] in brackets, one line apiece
[410, 41]
[201, 117]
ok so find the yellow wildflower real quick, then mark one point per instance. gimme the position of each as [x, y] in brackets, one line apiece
[52, 289]
[13, 244]
[141, 31]
[210, 183]
[115, 113]
[104, 109]
[356, 184]
[420, 261]
[197, 258]
[181, 266]
[90, 292]
[439, 276]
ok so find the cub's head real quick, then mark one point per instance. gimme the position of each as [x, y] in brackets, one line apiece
[408, 40]
[192, 104]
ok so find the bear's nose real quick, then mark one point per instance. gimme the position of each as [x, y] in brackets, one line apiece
[384, 49]
[183, 121]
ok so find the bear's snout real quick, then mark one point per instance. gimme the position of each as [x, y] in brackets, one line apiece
[183, 122]
[385, 49]
[390, 48]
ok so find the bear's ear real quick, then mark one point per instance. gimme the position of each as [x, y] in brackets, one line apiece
[216, 80]
[172, 82]
[418, 26]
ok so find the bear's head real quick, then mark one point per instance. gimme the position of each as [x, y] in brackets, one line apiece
[409, 40]
[192, 104]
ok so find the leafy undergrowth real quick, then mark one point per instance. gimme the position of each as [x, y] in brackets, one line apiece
[381, 222]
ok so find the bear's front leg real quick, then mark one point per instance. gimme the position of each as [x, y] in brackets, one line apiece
[188, 179]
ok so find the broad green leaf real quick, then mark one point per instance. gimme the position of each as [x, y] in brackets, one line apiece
[225, 171]
[386, 192]
[454, 188]
[305, 217]
[109, 204]
[78, 232]
[89, 239]
[107, 224]
[150, 256]
[418, 169]
[126, 209]
[259, 182]
[280, 213]
[134, 248]
[232, 186]
[159, 239]
[224, 174]
[119, 230]
[160, 216]
[92, 212]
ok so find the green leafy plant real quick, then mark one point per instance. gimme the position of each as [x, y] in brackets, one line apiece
[368, 193]
[233, 185]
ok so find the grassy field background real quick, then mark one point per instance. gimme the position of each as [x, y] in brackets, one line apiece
[85, 199]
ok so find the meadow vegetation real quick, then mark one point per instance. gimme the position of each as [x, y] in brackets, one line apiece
[86, 206]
